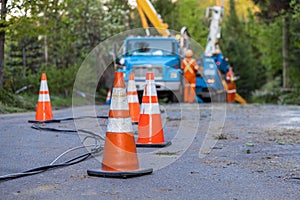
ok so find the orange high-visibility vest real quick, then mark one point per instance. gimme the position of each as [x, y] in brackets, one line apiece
[190, 67]
[231, 90]
[230, 76]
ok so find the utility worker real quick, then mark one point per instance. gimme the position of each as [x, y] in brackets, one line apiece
[190, 68]
[231, 86]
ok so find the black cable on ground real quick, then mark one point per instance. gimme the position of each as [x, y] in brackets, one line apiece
[46, 167]
[72, 161]
[67, 119]
[93, 135]
[38, 127]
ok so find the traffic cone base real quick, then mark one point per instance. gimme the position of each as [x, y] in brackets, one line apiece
[125, 174]
[119, 156]
[158, 145]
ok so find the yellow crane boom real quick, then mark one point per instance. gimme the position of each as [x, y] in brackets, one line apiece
[147, 11]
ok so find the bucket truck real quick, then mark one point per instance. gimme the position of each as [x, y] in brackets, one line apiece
[212, 84]
[160, 54]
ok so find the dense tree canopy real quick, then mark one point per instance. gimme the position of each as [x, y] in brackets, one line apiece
[56, 35]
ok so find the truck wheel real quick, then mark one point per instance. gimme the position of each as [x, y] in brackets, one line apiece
[175, 97]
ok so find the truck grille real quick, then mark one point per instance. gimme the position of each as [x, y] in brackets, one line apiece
[140, 72]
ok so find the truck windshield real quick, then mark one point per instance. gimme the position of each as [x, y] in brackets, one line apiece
[153, 47]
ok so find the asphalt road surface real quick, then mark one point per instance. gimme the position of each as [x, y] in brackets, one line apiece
[217, 152]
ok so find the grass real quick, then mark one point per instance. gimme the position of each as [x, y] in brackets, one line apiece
[12, 103]
[9, 109]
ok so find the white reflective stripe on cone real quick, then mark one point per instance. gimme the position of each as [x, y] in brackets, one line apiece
[44, 98]
[150, 89]
[147, 108]
[44, 86]
[131, 86]
[119, 99]
[231, 91]
[132, 98]
[119, 125]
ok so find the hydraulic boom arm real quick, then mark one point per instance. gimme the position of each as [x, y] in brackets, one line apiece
[147, 11]
[215, 14]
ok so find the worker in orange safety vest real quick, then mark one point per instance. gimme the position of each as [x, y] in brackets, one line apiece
[190, 68]
[231, 86]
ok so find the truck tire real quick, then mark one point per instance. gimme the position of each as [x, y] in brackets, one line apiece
[175, 97]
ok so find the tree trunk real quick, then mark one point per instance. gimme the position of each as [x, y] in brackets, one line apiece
[24, 58]
[285, 51]
[2, 39]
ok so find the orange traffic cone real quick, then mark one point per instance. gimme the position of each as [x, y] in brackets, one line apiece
[43, 109]
[108, 98]
[119, 156]
[150, 131]
[133, 100]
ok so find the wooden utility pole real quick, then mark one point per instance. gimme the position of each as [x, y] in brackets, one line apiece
[2, 39]
[285, 52]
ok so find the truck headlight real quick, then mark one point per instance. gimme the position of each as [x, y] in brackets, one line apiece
[210, 81]
[173, 75]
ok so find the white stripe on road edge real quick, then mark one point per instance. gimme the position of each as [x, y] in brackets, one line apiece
[119, 125]
[119, 99]
[147, 108]
[44, 98]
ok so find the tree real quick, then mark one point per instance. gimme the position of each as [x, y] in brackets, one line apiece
[295, 44]
[2, 38]
[168, 10]
[116, 17]
[271, 10]
[191, 15]
[236, 45]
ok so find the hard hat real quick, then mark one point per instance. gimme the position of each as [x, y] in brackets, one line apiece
[189, 53]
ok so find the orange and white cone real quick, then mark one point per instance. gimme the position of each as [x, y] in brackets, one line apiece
[44, 108]
[119, 156]
[150, 131]
[133, 100]
[108, 98]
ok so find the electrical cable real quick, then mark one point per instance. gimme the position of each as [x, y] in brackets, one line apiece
[96, 148]
[38, 170]
[93, 135]
[46, 167]
[67, 119]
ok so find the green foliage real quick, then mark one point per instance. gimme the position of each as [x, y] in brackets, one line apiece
[269, 42]
[55, 37]
[191, 15]
[168, 10]
[13, 103]
[236, 45]
[116, 18]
